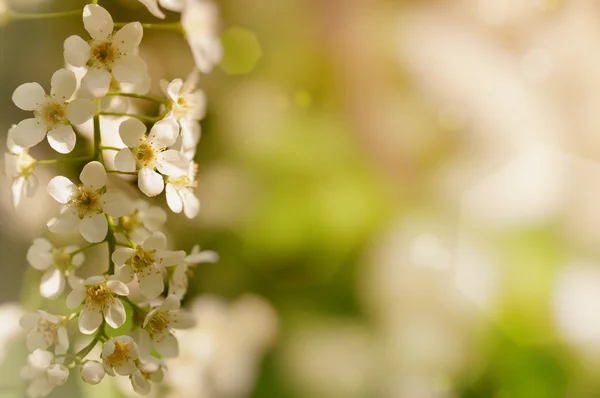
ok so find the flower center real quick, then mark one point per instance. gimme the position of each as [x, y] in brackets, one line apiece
[49, 331]
[100, 294]
[25, 164]
[104, 54]
[142, 260]
[158, 324]
[61, 260]
[145, 155]
[119, 355]
[53, 113]
[87, 202]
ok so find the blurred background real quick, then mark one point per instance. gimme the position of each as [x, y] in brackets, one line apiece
[404, 195]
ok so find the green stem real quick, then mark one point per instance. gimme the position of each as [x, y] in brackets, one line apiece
[97, 134]
[84, 248]
[23, 16]
[81, 354]
[148, 119]
[172, 26]
[139, 96]
[109, 148]
[65, 160]
[112, 245]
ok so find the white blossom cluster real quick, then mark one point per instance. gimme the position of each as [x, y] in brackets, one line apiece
[159, 151]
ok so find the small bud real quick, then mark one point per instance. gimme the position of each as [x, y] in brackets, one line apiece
[92, 372]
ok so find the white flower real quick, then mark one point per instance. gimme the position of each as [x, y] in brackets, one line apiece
[44, 373]
[180, 193]
[45, 330]
[172, 5]
[19, 166]
[107, 55]
[144, 220]
[151, 369]
[149, 153]
[92, 372]
[200, 20]
[180, 277]
[187, 105]
[58, 263]
[53, 114]
[158, 328]
[119, 355]
[146, 263]
[98, 297]
[86, 205]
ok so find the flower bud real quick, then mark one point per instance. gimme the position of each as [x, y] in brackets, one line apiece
[92, 372]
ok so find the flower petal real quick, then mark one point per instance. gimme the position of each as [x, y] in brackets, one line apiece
[130, 69]
[94, 228]
[76, 297]
[62, 139]
[29, 132]
[152, 7]
[97, 81]
[173, 199]
[93, 176]
[63, 223]
[152, 284]
[206, 256]
[63, 85]
[122, 254]
[76, 51]
[124, 160]
[129, 37]
[172, 163]
[167, 347]
[139, 382]
[97, 21]
[125, 274]
[89, 319]
[150, 182]
[115, 314]
[171, 303]
[164, 132]
[36, 341]
[118, 287]
[116, 204]
[132, 132]
[191, 204]
[61, 189]
[53, 284]
[39, 254]
[80, 110]
[157, 241]
[29, 96]
[182, 320]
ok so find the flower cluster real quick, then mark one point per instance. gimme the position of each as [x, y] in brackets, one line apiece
[159, 152]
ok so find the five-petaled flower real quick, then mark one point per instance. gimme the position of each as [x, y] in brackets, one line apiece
[120, 355]
[179, 282]
[146, 263]
[44, 372]
[58, 264]
[180, 192]
[158, 328]
[187, 105]
[53, 114]
[88, 204]
[149, 153]
[45, 330]
[148, 370]
[107, 55]
[99, 301]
